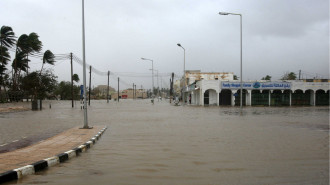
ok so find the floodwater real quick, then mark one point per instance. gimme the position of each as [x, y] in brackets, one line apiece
[166, 144]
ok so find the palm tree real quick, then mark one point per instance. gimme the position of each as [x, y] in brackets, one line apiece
[34, 45]
[48, 58]
[4, 58]
[7, 40]
[21, 62]
[21, 46]
[7, 37]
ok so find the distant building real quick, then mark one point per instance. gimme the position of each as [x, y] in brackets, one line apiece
[128, 94]
[101, 91]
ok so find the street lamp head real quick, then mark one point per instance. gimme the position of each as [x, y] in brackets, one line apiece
[142, 58]
[179, 45]
[223, 13]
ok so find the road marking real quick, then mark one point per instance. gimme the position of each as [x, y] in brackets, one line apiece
[23, 137]
[4, 144]
[14, 141]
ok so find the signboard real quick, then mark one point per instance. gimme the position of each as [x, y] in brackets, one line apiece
[124, 96]
[81, 92]
[256, 85]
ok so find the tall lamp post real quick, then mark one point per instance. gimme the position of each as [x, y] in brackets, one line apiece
[152, 65]
[241, 79]
[157, 82]
[184, 73]
[84, 68]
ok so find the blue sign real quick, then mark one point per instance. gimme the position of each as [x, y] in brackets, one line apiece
[81, 91]
[256, 85]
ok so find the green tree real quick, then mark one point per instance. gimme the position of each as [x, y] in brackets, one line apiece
[39, 86]
[48, 58]
[289, 76]
[267, 77]
[235, 77]
[63, 90]
[75, 78]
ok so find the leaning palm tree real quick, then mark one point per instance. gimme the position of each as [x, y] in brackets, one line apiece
[21, 63]
[48, 58]
[34, 45]
[7, 40]
[21, 46]
[4, 58]
[7, 37]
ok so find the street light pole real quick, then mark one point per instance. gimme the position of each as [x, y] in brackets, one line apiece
[184, 73]
[84, 68]
[152, 71]
[241, 79]
[157, 82]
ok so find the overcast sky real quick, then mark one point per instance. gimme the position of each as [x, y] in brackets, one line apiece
[278, 36]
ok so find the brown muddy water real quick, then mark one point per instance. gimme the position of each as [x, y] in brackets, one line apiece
[166, 144]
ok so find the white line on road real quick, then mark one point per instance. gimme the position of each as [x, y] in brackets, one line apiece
[14, 141]
[4, 144]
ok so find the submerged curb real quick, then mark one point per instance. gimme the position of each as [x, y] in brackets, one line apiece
[19, 173]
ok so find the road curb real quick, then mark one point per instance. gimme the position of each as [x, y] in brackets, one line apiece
[19, 173]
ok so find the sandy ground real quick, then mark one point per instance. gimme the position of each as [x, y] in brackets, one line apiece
[15, 106]
[13, 109]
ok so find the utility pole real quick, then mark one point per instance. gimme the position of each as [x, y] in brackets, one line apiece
[108, 88]
[118, 89]
[71, 80]
[171, 87]
[299, 74]
[84, 68]
[133, 91]
[90, 84]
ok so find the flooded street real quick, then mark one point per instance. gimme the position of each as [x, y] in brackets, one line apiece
[166, 144]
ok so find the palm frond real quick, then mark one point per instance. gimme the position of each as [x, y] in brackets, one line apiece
[7, 36]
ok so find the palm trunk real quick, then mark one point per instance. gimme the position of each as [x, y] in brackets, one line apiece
[15, 70]
[1, 65]
[42, 67]
[27, 69]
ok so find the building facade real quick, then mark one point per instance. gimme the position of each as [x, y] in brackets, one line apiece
[267, 93]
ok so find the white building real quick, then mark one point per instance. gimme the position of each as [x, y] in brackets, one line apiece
[225, 91]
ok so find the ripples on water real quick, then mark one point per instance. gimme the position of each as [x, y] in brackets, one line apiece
[164, 144]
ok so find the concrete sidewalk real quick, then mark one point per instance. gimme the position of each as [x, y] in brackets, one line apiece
[54, 146]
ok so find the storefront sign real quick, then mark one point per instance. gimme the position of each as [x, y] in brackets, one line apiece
[256, 85]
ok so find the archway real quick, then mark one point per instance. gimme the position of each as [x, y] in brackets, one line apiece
[225, 97]
[278, 98]
[301, 98]
[322, 98]
[210, 97]
[260, 98]
[238, 97]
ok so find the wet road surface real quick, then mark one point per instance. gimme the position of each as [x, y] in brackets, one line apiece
[165, 144]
